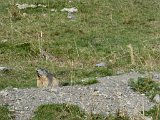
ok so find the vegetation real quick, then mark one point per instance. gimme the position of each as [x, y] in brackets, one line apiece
[150, 88]
[122, 34]
[146, 86]
[4, 113]
[154, 112]
[69, 112]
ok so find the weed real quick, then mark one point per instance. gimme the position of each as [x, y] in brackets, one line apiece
[146, 86]
[150, 88]
[154, 112]
[4, 113]
[100, 33]
[63, 111]
[70, 112]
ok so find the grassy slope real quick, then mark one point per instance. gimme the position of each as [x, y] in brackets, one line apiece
[101, 32]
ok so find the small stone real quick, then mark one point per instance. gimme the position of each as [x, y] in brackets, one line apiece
[119, 97]
[70, 16]
[26, 108]
[15, 88]
[128, 103]
[33, 6]
[102, 64]
[5, 68]
[22, 6]
[148, 118]
[71, 10]
[95, 93]
[157, 98]
[21, 112]
[119, 93]
[5, 93]
[53, 10]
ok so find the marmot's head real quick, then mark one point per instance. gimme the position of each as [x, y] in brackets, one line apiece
[41, 72]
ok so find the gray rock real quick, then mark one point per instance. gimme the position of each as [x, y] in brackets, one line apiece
[70, 10]
[157, 98]
[71, 16]
[148, 118]
[102, 64]
[5, 68]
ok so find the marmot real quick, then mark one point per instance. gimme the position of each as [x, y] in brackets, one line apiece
[46, 79]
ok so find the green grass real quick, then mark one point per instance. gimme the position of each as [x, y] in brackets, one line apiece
[4, 113]
[100, 33]
[146, 86]
[150, 88]
[63, 112]
[69, 112]
[154, 112]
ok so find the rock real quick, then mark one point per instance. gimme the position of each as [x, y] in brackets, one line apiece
[5, 68]
[53, 10]
[40, 5]
[22, 6]
[25, 6]
[157, 98]
[4, 93]
[119, 93]
[148, 118]
[15, 88]
[102, 64]
[70, 10]
[70, 16]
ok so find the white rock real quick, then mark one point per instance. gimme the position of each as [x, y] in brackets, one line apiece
[53, 10]
[32, 6]
[148, 118]
[4, 92]
[70, 16]
[157, 98]
[22, 6]
[3, 68]
[71, 10]
[15, 88]
[40, 5]
[102, 64]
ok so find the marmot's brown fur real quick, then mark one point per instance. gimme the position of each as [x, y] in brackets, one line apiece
[46, 79]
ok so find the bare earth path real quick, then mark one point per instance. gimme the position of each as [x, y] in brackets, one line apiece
[105, 97]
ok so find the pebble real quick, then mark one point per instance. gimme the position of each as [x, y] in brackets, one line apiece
[102, 64]
[157, 98]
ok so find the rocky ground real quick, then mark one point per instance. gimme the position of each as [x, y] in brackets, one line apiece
[110, 94]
